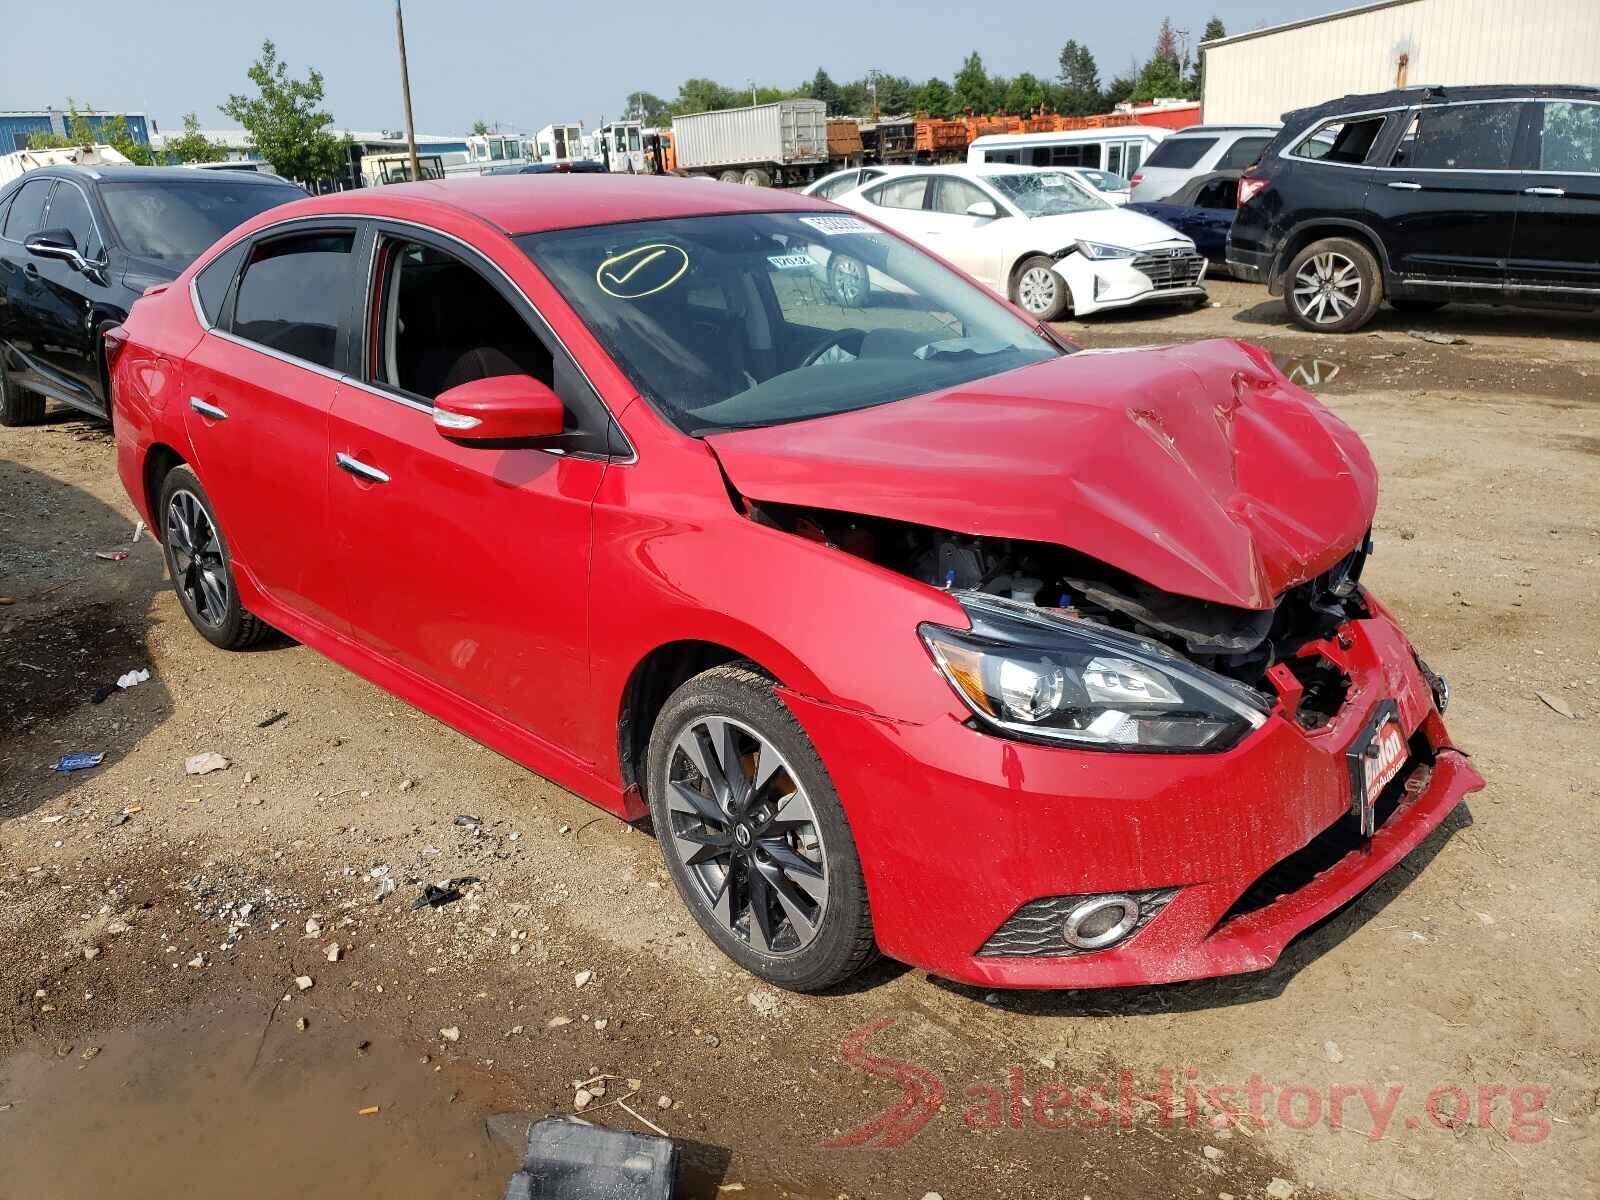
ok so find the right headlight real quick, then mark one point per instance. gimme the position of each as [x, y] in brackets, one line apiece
[1101, 250]
[1044, 678]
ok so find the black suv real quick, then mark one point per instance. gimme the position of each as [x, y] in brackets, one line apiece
[78, 245]
[1425, 196]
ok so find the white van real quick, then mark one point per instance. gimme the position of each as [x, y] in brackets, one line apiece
[1119, 149]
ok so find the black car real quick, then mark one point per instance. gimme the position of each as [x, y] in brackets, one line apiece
[78, 245]
[1201, 210]
[577, 166]
[1426, 196]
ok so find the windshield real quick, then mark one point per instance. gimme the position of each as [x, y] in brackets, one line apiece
[729, 322]
[1045, 193]
[173, 221]
[1105, 180]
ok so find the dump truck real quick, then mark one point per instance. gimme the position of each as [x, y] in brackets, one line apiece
[785, 144]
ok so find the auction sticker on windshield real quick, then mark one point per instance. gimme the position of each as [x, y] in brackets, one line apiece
[832, 226]
[791, 262]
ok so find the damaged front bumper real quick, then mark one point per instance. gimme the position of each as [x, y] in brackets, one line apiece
[977, 849]
[1162, 274]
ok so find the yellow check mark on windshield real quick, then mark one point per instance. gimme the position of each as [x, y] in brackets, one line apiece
[619, 280]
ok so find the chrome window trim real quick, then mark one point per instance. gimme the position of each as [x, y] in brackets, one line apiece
[43, 212]
[1415, 108]
[290, 359]
[105, 246]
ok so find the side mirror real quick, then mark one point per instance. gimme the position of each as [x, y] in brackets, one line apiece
[984, 209]
[504, 411]
[55, 243]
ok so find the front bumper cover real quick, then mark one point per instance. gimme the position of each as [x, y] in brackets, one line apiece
[958, 830]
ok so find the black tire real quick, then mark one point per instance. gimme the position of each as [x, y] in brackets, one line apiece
[1038, 290]
[1333, 286]
[17, 407]
[849, 281]
[1416, 306]
[215, 612]
[731, 176]
[840, 942]
[756, 177]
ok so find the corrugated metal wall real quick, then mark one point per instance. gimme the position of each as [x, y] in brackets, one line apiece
[1448, 41]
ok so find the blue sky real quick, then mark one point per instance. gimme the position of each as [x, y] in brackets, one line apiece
[525, 65]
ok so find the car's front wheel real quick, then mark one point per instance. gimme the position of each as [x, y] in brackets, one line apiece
[753, 832]
[848, 281]
[201, 566]
[1038, 290]
[1334, 286]
[17, 407]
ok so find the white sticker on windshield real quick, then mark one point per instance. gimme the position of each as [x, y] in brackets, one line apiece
[1052, 181]
[791, 262]
[832, 226]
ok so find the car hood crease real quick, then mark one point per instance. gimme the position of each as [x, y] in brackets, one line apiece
[1200, 469]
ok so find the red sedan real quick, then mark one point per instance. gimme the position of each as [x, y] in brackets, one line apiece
[910, 627]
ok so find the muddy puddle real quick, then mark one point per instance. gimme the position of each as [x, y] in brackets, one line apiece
[223, 1104]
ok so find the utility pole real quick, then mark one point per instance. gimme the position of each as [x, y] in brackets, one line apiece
[405, 91]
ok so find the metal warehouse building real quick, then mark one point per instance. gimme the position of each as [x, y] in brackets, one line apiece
[17, 127]
[1261, 75]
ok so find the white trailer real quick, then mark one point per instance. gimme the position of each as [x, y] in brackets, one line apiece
[784, 143]
[561, 143]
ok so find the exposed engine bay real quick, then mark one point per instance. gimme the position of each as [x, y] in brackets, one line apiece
[1239, 643]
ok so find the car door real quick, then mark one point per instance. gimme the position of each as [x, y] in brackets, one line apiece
[1556, 246]
[1446, 204]
[465, 566]
[258, 389]
[78, 299]
[25, 313]
[898, 203]
[970, 242]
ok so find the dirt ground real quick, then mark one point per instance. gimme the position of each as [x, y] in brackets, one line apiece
[154, 1040]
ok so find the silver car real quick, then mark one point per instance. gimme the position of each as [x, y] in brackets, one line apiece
[1198, 150]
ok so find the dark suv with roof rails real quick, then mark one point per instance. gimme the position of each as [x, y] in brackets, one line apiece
[78, 245]
[1422, 197]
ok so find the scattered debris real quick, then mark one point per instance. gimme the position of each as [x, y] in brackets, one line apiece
[271, 719]
[469, 822]
[569, 1157]
[91, 953]
[1438, 339]
[138, 531]
[313, 928]
[205, 763]
[582, 1099]
[89, 1053]
[1331, 1052]
[436, 895]
[333, 952]
[1211, 1152]
[370, 1111]
[582, 978]
[198, 961]
[765, 1003]
[304, 982]
[1280, 1189]
[133, 678]
[663, 1102]
[111, 555]
[101, 694]
[79, 762]
[1557, 704]
[407, 784]
[120, 818]
[302, 1024]
[557, 1022]
[452, 1034]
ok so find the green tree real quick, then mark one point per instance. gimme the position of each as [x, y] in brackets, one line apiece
[822, 87]
[1163, 75]
[1121, 88]
[895, 94]
[1197, 77]
[705, 95]
[480, 128]
[1080, 81]
[854, 100]
[934, 98]
[286, 121]
[85, 127]
[971, 86]
[1024, 95]
[649, 108]
[192, 146]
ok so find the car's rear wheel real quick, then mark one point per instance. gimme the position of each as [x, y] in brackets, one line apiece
[848, 282]
[1334, 286]
[1038, 290]
[1409, 304]
[17, 407]
[753, 832]
[201, 566]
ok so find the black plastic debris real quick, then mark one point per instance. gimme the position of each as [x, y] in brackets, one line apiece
[271, 720]
[568, 1159]
[468, 821]
[436, 895]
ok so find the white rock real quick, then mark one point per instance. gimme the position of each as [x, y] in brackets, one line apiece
[313, 928]
[1280, 1189]
[452, 1034]
[581, 978]
[204, 764]
[91, 952]
[303, 982]
[1211, 1152]
[1331, 1052]
[198, 961]
[764, 1003]
[557, 1022]
[664, 1102]
[582, 1099]
[601, 1023]
[333, 952]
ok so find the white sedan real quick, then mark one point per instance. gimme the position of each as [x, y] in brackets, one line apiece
[1037, 237]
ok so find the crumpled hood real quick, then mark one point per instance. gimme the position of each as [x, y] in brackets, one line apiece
[1200, 469]
[1111, 226]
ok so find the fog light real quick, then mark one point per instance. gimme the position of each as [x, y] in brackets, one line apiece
[1100, 922]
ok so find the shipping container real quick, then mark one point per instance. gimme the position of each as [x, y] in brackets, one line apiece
[784, 143]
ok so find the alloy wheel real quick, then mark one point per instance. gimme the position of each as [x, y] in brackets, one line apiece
[197, 562]
[745, 831]
[1037, 290]
[1327, 288]
[849, 280]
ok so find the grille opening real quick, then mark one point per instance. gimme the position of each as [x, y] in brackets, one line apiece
[1325, 689]
[1290, 874]
[1170, 272]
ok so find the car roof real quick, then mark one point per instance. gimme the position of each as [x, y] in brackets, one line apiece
[517, 204]
[108, 172]
[1203, 130]
[1436, 94]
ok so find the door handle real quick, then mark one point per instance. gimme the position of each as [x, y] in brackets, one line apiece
[1544, 191]
[207, 410]
[1402, 185]
[360, 469]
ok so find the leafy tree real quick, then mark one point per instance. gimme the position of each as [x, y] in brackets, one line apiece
[822, 87]
[89, 128]
[1122, 87]
[1025, 94]
[1167, 43]
[1197, 77]
[854, 100]
[1080, 81]
[971, 90]
[895, 94]
[935, 98]
[704, 95]
[192, 146]
[286, 121]
[1161, 76]
[649, 108]
[480, 128]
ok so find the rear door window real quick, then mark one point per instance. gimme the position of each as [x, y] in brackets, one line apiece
[1242, 153]
[1180, 153]
[295, 293]
[901, 193]
[26, 209]
[1461, 137]
[1340, 141]
[1569, 140]
[211, 285]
